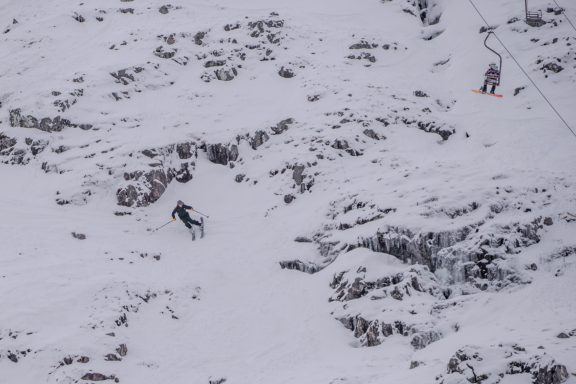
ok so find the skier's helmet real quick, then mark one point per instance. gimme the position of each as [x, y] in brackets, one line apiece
[493, 66]
[180, 203]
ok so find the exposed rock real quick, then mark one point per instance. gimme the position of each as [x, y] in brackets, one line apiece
[286, 73]
[554, 67]
[144, 187]
[300, 266]
[420, 94]
[373, 135]
[363, 45]
[96, 377]
[122, 350]
[198, 38]
[239, 177]
[374, 332]
[340, 144]
[222, 154]
[289, 198]
[224, 74]
[45, 124]
[164, 9]
[161, 53]
[79, 236]
[214, 63]
[282, 126]
[298, 174]
[260, 137]
[422, 340]
[301, 239]
[476, 365]
[112, 357]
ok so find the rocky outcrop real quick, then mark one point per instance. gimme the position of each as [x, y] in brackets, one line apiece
[260, 137]
[351, 285]
[221, 153]
[14, 154]
[300, 266]
[46, 124]
[491, 365]
[475, 253]
[373, 332]
[282, 126]
[144, 187]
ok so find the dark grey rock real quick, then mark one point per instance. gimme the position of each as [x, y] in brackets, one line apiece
[112, 357]
[79, 236]
[224, 74]
[289, 198]
[423, 339]
[373, 135]
[340, 144]
[282, 126]
[239, 177]
[214, 63]
[298, 174]
[122, 350]
[363, 45]
[161, 53]
[96, 377]
[260, 137]
[300, 266]
[222, 154]
[286, 73]
[198, 38]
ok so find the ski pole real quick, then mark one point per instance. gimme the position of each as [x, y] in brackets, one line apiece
[162, 226]
[200, 213]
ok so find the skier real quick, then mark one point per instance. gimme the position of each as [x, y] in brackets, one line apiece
[181, 209]
[492, 78]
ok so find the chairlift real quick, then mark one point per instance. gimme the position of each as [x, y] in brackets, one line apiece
[533, 19]
[490, 33]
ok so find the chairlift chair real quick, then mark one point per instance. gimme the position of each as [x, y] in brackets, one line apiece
[497, 54]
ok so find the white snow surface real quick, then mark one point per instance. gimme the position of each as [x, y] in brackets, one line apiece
[221, 307]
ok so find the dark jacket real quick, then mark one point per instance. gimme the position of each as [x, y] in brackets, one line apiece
[181, 211]
[492, 76]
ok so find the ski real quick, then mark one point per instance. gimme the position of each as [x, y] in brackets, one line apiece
[193, 232]
[202, 228]
[487, 94]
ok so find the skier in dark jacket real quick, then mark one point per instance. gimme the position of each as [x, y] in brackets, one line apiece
[181, 209]
[492, 77]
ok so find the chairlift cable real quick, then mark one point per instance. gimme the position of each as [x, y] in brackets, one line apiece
[565, 15]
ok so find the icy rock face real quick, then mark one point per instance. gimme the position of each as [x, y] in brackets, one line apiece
[469, 254]
[490, 365]
[415, 283]
[144, 187]
[353, 285]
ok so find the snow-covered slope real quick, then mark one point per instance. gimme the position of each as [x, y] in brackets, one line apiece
[371, 219]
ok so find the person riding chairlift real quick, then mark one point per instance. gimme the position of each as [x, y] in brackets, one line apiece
[492, 77]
